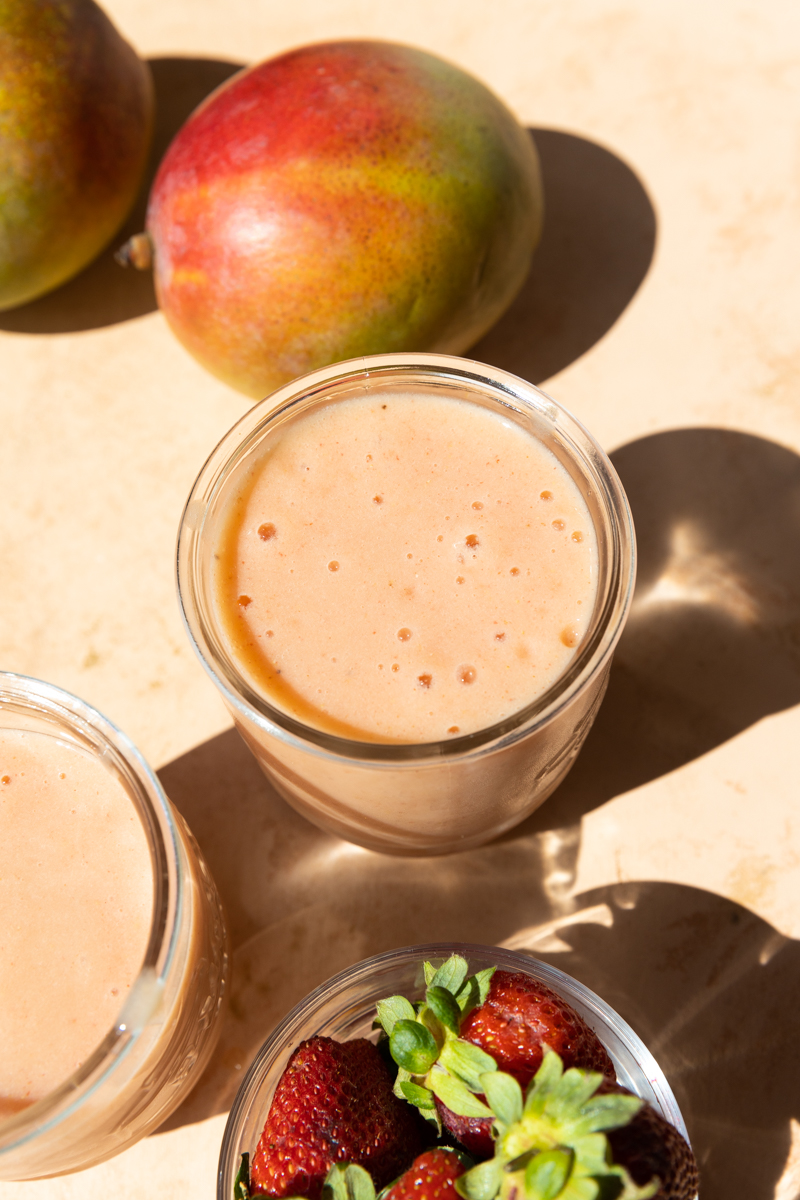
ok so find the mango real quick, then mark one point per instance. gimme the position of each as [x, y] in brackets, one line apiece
[343, 199]
[76, 116]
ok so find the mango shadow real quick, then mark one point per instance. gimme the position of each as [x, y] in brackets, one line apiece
[597, 245]
[104, 293]
[712, 644]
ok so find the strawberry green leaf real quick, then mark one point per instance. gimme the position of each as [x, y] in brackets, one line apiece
[503, 1095]
[475, 990]
[467, 1062]
[394, 1009]
[413, 1047]
[402, 1077]
[456, 1095]
[482, 1182]
[611, 1111]
[443, 1004]
[429, 970]
[451, 974]
[241, 1184]
[547, 1173]
[417, 1095]
[348, 1181]
[543, 1082]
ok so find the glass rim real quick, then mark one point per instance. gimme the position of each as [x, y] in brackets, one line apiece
[555, 978]
[515, 393]
[90, 730]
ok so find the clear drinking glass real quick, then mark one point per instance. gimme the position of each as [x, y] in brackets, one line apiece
[164, 1035]
[438, 797]
[344, 1008]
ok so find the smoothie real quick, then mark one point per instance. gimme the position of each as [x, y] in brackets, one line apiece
[407, 575]
[405, 567]
[76, 901]
[113, 953]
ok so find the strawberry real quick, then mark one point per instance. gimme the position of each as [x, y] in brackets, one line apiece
[333, 1104]
[518, 1017]
[494, 1020]
[649, 1146]
[576, 1135]
[432, 1176]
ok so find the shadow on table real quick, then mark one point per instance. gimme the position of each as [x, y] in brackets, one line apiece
[711, 989]
[104, 293]
[597, 244]
[712, 644]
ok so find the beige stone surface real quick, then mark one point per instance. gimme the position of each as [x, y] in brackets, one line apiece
[663, 309]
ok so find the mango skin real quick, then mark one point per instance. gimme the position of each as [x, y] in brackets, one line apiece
[343, 199]
[76, 118]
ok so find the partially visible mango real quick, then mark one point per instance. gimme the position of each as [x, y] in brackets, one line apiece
[76, 116]
[343, 199]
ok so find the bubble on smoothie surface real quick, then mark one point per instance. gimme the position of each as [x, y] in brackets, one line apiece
[425, 680]
[476, 504]
[377, 499]
[395, 666]
[466, 674]
[453, 729]
[499, 637]
[267, 531]
[545, 495]
[569, 636]
[403, 634]
[514, 571]
[577, 536]
[558, 524]
[459, 578]
[472, 540]
[333, 565]
[244, 601]
[5, 779]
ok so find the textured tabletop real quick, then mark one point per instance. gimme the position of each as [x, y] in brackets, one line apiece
[663, 309]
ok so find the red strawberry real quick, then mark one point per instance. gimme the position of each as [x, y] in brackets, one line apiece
[649, 1146]
[334, 1104]
[432, 1176]
[520, 1014]
[517, 1017]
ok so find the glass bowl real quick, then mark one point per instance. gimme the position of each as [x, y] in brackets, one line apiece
[170, 1021]
[344, 1008]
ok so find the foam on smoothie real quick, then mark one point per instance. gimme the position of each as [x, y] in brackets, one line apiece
[76, 899]
[405, 567]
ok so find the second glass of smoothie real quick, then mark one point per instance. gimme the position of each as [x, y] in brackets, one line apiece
[113, 951]
[407, 576]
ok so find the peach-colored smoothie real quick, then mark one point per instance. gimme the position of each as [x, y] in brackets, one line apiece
[76, 899]
[404, 567]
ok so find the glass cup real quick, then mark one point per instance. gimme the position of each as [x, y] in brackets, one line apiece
[169, 1024]
[344, 1008]
[438, 797]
